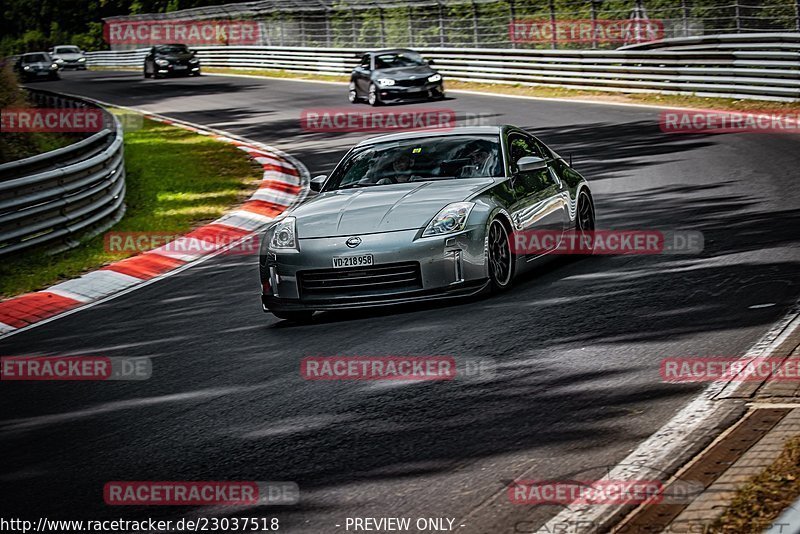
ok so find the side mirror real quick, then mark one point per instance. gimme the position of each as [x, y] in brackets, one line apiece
[317, 182]
[430, 62]
[531, 163]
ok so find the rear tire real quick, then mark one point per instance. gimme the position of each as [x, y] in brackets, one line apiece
[352, 94]
[499, 257]
[147, 74]
[301, 317]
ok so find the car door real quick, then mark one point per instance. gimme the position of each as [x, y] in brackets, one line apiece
[361, 74]
[539, 204]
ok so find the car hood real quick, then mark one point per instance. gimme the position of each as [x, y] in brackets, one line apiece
[404, 73]
[39, 65]
[383, 208]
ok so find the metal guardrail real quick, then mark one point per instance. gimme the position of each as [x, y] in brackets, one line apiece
[48, 199]
[756, 66]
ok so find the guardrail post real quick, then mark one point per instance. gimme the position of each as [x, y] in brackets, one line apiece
[475, 23]
[280, 26]
[327, 28]
[737, 15]
[410, 12]
[353, 26]
[441, 23]
[302, 30]
[552, 7]
[383, 26]
[797, 15]
[593, 7]
[512, 19]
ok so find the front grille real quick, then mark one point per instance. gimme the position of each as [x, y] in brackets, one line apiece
[359, 281]
[419, 82]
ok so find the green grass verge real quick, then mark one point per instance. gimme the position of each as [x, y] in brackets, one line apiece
[761, 501]
[176, 180]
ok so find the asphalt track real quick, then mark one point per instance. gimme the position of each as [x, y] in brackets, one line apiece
[577, 345]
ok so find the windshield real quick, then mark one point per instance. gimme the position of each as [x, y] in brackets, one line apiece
[419, 160]
[172, 49]
[34, 58]
[398, 59]
[67, 50]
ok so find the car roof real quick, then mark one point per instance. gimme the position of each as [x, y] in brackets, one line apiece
[464, 130]
[392, 50]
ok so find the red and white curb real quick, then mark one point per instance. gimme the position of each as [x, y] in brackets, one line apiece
[284, 184]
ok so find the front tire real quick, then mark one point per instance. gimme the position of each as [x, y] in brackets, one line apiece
[372, 98]
[147, 74]
[499, 256]
[301, 317]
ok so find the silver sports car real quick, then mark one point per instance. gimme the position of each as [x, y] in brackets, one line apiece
[419, 216]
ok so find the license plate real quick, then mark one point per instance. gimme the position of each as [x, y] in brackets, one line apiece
[362, 260]
[42, 73]
[180, 67]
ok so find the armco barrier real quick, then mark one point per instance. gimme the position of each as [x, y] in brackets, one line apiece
[47, 199]
[757, 66]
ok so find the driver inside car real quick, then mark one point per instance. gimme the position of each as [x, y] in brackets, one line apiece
[400, 171]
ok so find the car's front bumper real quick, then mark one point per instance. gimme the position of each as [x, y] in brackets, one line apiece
[448, 266]
[178, 70]
[395, 93]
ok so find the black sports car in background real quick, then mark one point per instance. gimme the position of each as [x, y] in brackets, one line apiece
[393, 75]
[36, 66]
[170, 60]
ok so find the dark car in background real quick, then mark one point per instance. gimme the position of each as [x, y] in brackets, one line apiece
[68, 57]
[394, 75]
[171, 60]
[36, 66]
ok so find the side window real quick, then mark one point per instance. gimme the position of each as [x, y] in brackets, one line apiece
[364, 61]
[521, 146]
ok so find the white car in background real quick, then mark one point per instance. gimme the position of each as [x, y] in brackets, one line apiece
[68, 57]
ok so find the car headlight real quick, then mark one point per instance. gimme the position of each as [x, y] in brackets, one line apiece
[194, 60]
[283, 235]
[53, 67]
[58, 60]
[81, 59]
[452, 218]
[385, 82]
[435, 78]
[26, 67]
[162, 62]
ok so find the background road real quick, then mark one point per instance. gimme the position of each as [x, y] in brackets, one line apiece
[577, 345]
